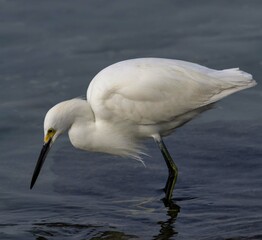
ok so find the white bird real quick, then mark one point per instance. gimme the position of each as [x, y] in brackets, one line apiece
[137, 99]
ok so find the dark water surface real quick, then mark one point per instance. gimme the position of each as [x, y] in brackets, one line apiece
[49, 52]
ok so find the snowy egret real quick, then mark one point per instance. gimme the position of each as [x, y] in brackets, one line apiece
[137, 99]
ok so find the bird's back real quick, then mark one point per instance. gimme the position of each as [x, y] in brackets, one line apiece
[154, 91]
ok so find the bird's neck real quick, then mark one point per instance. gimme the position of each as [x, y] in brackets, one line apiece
[99, 136]
[74, 111]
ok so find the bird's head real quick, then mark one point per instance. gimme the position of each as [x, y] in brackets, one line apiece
[56, 122]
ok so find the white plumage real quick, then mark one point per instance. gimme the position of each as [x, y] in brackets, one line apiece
[152, 90]
[157, 95]
[140, 98]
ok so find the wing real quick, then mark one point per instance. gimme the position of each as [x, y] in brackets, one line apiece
[153, 90]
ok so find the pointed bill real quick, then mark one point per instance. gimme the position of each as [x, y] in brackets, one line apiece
[45, 149]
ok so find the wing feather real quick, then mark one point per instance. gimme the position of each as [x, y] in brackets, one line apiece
[153, 90]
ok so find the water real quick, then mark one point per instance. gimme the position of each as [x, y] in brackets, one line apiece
[50, 50]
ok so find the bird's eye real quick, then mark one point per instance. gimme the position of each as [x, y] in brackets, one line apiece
[51, 130]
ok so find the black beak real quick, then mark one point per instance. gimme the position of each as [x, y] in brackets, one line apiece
[45, 149]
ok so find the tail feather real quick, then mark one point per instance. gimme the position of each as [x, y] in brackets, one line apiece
[231, 81]
[235, 77]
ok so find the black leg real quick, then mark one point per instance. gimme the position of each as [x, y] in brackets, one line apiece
[172, 169]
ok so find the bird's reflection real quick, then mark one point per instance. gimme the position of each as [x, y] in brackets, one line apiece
[51, 230]
[167, 227]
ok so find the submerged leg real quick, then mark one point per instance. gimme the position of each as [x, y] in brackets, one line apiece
[172, 169]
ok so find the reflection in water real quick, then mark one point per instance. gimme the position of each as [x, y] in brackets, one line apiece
[113, 235]
[45, 231]
[52, 230]
[167, 227]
